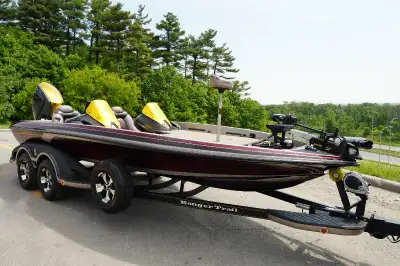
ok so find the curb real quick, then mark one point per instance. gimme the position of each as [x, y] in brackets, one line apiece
[4, 129]
[381, 183]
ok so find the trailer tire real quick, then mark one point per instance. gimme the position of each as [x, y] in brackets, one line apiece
[27, 173]
[47, 181]
[112, 186]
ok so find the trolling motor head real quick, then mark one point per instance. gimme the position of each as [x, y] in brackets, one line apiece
[355, 183]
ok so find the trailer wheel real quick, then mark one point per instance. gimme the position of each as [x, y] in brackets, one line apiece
[26, 172]
[112, 186]
[47, 181]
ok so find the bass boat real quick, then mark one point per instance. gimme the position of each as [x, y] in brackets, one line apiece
[104, 148]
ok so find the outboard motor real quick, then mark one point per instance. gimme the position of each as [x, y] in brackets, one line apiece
[46, 100]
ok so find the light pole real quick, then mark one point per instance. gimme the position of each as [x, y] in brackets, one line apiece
[390, 129]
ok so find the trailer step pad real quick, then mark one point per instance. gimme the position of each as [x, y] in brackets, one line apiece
[320, 222]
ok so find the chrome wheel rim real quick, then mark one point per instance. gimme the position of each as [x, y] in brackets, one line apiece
[24, 170]
[105, 187]
[45, 180]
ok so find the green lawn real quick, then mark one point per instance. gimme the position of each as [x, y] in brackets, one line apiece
[384, 152]
[2, 126]
[383, 170]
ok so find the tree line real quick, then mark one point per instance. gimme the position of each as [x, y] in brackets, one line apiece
[107, 35]
[98, 50]
[369, 120]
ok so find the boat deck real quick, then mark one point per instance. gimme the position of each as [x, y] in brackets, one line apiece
[211, 137]
[208, 133]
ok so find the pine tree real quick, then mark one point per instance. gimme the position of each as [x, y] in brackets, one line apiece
[241, 88]
[222, 61]
[74, 15]
[199, 51]
[185, 53]
[96, 24]
[138, 59]
[116, 24]
[8, 11]
[44, 19]
[168, 43]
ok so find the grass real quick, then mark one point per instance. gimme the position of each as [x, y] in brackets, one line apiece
[383, 170]
[384, 152]
[4, 126]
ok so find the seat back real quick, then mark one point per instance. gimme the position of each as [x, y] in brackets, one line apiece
[125, 118]
[63, 113]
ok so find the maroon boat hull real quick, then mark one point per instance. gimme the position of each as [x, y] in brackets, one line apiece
[213, 164]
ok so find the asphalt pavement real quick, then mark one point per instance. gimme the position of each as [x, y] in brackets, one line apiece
[74, 231]
[380, 158]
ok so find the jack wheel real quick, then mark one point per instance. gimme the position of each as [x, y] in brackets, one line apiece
[112, 186]
[47, 181]
[26, 172]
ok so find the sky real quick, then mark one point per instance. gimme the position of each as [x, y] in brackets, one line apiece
[309, 50]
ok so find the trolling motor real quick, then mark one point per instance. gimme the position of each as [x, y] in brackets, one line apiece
[346, 147]
[221, 85]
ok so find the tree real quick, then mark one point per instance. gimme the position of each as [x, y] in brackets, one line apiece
[199, 51]
[168, 43]
[367, 132]
[176, 96]
[116, 23]
[44, 19]
[222, 61]
[252, 115]
[138, 60]
[29, 60]
[185, 53]
[8, 11]
[96, 24]
[86, 84]
[241, 88]
[73, 16]
[22, 101]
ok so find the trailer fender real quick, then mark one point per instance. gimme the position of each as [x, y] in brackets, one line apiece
[66, 167]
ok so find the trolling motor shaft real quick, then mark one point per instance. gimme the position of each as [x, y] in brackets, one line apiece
[221, 85]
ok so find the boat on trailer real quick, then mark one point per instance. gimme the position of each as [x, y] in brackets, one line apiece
[103, 149]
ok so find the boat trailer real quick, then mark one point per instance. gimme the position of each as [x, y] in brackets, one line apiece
[52, 170]
[346, 220]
